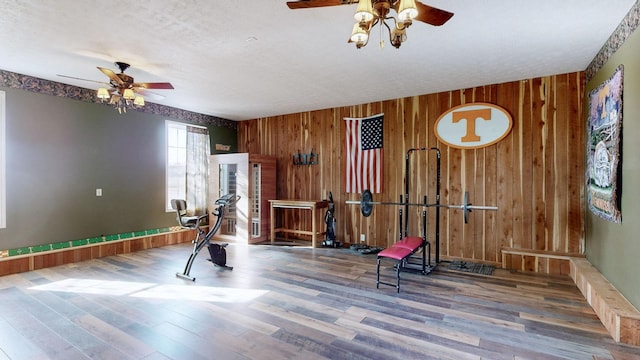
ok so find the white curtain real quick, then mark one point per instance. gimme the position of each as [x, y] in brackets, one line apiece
[198, 151]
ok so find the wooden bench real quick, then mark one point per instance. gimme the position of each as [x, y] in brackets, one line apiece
[616, 313]
[539, 261]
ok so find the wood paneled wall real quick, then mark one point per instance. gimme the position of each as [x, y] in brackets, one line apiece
[535, 175]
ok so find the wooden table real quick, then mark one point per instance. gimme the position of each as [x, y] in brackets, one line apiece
[312, 205]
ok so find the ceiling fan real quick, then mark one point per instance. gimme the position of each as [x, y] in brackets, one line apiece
[372, 12]
[124, 91]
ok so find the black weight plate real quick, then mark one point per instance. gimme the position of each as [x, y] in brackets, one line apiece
[366, 206]
[466, 209]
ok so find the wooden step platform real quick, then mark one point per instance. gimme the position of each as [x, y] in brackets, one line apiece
[617, 314]
[538, 261]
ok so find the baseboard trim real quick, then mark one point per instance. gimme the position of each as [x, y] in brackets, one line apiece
[35, 261]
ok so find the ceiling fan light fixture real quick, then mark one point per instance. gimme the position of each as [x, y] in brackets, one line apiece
[364, 12]
[103, 94]
[359, 36]
[370, 13]
[121, 103]
[128, 94]
[376, 12]
[398, 36]
[121, 94]
[407, 11]
[114, 99]
[139, 101]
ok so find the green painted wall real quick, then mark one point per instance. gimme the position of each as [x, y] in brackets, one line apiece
[223, 136]
[59, 151]
[614, 249]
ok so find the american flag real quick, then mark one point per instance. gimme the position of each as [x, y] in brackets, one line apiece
[364, 154]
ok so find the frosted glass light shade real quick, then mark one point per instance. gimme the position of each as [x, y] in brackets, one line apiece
[364, 12]
[407, 10]
[358, 35]
[128, 94]
[103, 94]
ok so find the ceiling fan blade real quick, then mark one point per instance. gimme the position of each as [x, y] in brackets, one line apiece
[431, 15]
[304, 4]
[154, 85]
[112, 75]
[77, 78]
[148, 94]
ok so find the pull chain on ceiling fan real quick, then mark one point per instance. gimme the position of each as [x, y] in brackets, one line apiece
[377, 12]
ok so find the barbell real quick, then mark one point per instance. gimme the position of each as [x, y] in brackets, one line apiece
[366, 205]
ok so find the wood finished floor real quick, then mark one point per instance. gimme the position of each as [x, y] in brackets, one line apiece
[291, 303]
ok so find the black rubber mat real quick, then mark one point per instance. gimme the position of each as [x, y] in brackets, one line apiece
[472, 267]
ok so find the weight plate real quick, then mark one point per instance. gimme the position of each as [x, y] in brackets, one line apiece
[466, 207]
[366, 206]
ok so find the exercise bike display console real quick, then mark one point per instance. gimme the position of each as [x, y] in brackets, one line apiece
[216, 250]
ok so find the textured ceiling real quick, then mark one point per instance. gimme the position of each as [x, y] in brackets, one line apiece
[243, 59]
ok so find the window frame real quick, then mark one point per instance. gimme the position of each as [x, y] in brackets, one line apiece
[169, 124]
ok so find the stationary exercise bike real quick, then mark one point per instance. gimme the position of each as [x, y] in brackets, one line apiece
[216, 250]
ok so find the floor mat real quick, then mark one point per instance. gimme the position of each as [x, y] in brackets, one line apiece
[365, 249]
[472, 267]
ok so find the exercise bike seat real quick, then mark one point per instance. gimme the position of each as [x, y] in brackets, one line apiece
[187, 222]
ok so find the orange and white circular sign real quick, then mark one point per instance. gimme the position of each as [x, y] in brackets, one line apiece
[473, 126]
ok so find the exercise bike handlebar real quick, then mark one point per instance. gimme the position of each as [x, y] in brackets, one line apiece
[228, 199]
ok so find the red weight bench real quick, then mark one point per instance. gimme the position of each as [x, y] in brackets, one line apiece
[401, 251]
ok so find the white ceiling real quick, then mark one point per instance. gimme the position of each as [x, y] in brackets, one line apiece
[244, 59]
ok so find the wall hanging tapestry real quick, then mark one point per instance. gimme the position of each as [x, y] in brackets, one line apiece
[604, 148]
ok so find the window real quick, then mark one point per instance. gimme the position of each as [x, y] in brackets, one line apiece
[3, 187]
[187, 168]
[176, 162]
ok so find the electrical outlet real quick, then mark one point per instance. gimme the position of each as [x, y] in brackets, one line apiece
[98, 192]
[362, 238]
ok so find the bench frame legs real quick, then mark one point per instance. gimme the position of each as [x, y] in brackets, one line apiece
[403, 263]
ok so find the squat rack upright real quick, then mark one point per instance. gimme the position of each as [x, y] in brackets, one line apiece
[407, 202]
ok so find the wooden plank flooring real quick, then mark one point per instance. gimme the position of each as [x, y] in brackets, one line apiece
[291, 303]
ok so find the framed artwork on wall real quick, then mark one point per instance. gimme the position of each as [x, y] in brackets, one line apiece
[604, 148]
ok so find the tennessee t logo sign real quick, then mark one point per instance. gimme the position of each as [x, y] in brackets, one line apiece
[472, 126]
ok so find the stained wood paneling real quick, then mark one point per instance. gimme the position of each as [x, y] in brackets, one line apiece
[535, 175]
